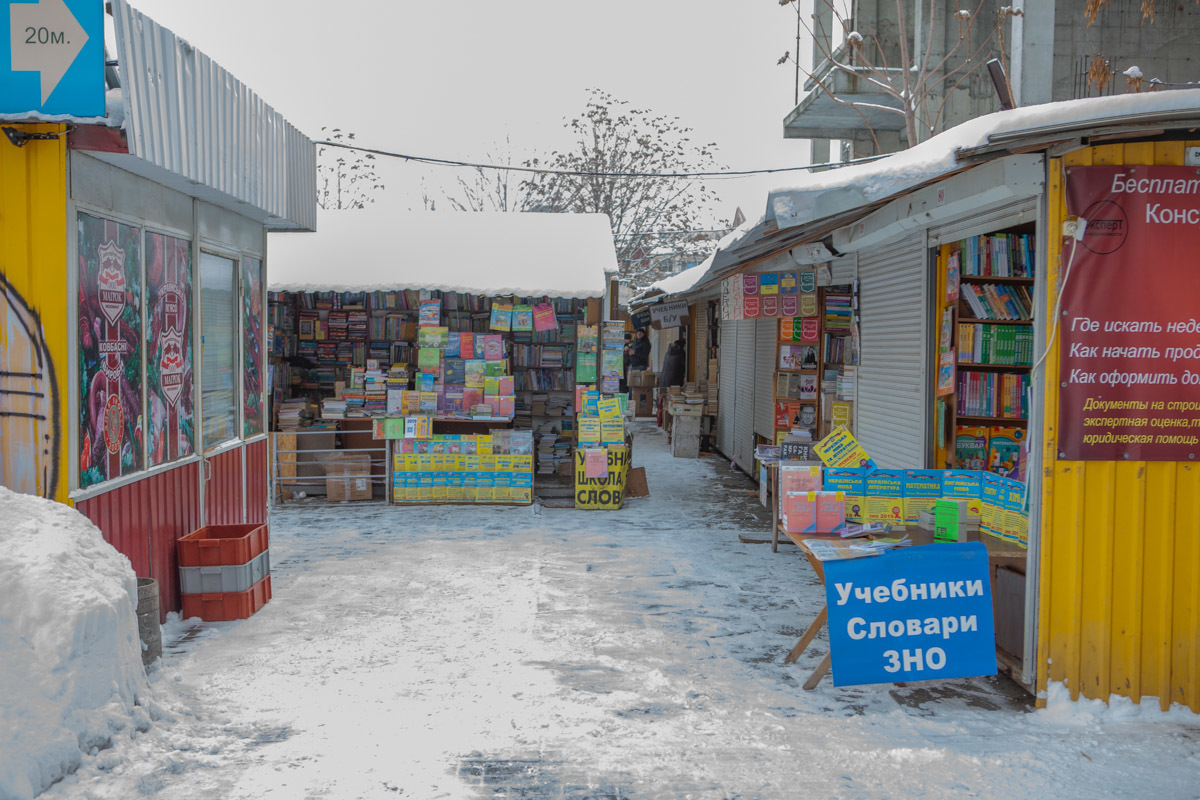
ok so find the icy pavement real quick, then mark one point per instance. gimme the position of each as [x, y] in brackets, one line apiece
[559, 654]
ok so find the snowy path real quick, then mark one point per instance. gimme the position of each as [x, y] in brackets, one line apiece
[471, 652]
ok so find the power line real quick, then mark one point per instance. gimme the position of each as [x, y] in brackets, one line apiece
[446, 162]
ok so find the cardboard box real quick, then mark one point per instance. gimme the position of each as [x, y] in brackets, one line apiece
[348, 477]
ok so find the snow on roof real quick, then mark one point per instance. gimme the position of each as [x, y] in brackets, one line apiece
[826, 194]
[682, 281]
[492, 254]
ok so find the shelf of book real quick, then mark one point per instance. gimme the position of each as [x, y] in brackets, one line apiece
[991, 420]
[1003, 384]
[996, 321]
[994, 367]
[995, 279]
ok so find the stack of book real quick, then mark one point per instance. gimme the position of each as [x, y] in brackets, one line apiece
[992, 394]
[839, 312]
[993, 301]
[1004, 345]
[333, 408]
[294, 413]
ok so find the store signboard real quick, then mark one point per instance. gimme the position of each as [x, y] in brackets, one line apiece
[669, 315]
[605, 493]
[1128, 327]
[911, 614]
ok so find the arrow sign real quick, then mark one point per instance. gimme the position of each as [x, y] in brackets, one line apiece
[46, 38]
[61, 41]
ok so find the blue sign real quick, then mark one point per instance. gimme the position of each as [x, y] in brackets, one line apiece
[911, 614]
[52, 57]
[641, 319]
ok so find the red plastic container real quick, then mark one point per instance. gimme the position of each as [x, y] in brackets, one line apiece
[226, 606]
[222, 545]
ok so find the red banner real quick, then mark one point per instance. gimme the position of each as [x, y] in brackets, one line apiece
[1129, 329]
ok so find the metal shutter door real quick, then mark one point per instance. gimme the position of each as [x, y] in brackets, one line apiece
[699, 338]
[765, 333]
[892, 380]
[743, 422]
[726, 402]
[988, 221]
[843, 270]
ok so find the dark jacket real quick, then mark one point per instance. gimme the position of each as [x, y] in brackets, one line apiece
[674, 366]
[639, 354]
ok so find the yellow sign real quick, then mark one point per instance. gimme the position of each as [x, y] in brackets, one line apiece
[840, 450]
[607, 493]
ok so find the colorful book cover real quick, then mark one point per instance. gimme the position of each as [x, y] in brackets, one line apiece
[885, 496]
[1006, 448]
[491, 386]
[612, 430]
[958, 484]
[474, 373]
[787, 283]
[614, 363]
[609, 407]
[840, 450]
[455, 371]
[453, 345]
[430, 312]
[953, 277]
[466, 345]
[501, 316]
[992, 516]
[613, 335]
[768, 284]
[496, 369]
[544, 318]
[971, 447]
[522, 318]
[852, 484]
[591, 403]
[433, 336]
[504, 385]
[505, 405]
[922, 489]
[493, 346]
[589, 430]
[429, 357]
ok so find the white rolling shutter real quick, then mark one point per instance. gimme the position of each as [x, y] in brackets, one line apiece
[892, 379]
[843, 270]
[726, 402]
[743, 422]
[993, 219]
[765, 333]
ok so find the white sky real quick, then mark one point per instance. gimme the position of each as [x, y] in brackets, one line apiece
[453, 79]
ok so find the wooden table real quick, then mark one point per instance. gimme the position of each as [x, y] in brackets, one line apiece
[999, 552]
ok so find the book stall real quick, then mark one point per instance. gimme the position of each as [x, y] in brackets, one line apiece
[840, 506]
[433, 393]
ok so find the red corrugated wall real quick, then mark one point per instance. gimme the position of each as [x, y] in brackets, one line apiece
[143, 520]
[256, 481]
[223, 489]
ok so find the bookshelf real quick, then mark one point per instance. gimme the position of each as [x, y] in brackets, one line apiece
[984, 348]
[810, 380]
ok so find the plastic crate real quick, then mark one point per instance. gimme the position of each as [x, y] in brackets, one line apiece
[226, 606]
[222, 545]
[236, 578]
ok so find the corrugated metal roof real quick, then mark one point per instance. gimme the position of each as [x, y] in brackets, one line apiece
[187, 115]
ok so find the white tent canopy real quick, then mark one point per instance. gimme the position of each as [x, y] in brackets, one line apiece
[489, 254]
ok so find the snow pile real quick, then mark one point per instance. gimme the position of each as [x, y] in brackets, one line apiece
[382, 248]
[1062, 710]
[826, 194]
[70, 659]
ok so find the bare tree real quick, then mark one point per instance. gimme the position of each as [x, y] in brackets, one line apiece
[919, 86]
[345, 178]
[492, 189]
[613, 140]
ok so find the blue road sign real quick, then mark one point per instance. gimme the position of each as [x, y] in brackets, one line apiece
[912, 614]
[52, 57]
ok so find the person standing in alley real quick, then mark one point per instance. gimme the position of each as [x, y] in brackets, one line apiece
[639, 351]
[674, 366]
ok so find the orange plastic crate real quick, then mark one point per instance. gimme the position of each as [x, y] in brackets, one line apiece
[222, 545]
[226, 606]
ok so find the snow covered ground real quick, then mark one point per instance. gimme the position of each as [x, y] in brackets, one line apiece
[541, 653]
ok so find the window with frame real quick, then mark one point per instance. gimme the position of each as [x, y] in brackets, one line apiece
[219, 345]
